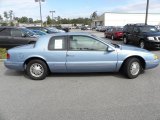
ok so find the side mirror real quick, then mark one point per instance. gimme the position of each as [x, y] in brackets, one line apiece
[109, 49]
[23, 35]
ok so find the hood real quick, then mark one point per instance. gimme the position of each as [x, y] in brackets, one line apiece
[131, 48]
[152, 34]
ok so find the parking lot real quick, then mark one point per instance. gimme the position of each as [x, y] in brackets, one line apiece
[90, 96]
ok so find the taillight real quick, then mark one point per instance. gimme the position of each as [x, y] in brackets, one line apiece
[8, 56]
[119, 33]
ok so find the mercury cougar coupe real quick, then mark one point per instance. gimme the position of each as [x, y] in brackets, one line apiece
[78, 52]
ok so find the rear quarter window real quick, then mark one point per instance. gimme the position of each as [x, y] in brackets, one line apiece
[57, 43]
[5, 32]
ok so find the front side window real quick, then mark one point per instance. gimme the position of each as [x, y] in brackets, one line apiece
[85, 43]
[16, 33]
[148, 29]
[57, 43]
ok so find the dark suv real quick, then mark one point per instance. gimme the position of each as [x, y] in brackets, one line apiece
[145, 36]
[14, 36]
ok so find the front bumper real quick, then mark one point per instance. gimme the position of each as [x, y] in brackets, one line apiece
[151, 44]
[14, 65]
[152, 64]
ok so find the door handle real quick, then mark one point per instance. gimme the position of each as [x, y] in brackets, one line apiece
[70, 55]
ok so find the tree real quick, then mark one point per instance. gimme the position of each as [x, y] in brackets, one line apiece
[12, 24]
[6, 15]
[59, 19]
[23, 20]
[1, 18]
[10, 15]
[30, 20]
[94, 15]
[4, 24]
[49, 20]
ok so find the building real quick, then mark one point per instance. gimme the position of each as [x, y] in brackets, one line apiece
[121, 19]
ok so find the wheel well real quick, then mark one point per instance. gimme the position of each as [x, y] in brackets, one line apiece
[35, 58]
[138, 57]
[31, 42]
[141, 40]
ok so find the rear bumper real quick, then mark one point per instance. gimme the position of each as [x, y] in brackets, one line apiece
[14, 65]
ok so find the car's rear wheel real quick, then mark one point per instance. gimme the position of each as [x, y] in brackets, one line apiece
[37, 69]
[125, 41]
[132, 67]
[112, 37]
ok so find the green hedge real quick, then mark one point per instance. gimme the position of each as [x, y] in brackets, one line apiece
[3, 53]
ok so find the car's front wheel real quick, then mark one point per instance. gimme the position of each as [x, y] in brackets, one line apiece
[37, 69]
[142, 44]
[132, 67]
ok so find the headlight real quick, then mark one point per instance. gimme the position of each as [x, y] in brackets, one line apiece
[151, 38]
[155, 57]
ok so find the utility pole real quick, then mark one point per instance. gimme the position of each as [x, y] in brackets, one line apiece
[40, 10]
[147, 6]
[52, 15]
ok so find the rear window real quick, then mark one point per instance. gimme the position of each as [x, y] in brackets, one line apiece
[5, 32]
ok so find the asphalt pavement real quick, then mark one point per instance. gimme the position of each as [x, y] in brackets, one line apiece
[90, 96]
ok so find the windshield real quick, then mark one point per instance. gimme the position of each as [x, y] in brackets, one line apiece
[28, 32]
[148, 29]
[104, 40]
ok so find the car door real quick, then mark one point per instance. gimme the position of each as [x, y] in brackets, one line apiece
[130, 33]
[136, 32]
[87, 54]
[18, 37]
[5, 38]
[56, 54]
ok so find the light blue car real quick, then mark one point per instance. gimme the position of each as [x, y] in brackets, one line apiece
[78, 52]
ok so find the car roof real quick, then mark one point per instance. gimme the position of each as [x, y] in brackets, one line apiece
[11, 27]
[69, 33]
[139, 25]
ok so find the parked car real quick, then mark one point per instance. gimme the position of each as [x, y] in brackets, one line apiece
[103, 29]
[78, 52]
[145, 36]
[15, 36]
[115, 33]
[98, 28]
[44, 29]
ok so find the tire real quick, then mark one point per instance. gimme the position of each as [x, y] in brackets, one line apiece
[132, 68]
[125, 41]
[142, 44]
[37, 69]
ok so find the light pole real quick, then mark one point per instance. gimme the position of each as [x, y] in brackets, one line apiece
[52, 15]
[147, 6]
[40, 10]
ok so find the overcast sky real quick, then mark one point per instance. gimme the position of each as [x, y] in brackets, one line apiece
[76, 8]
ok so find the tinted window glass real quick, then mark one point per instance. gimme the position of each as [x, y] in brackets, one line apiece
[5, 32]
[16, 33]
[28, 32]
[86, 43]
[148, 29]
[57, 43]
